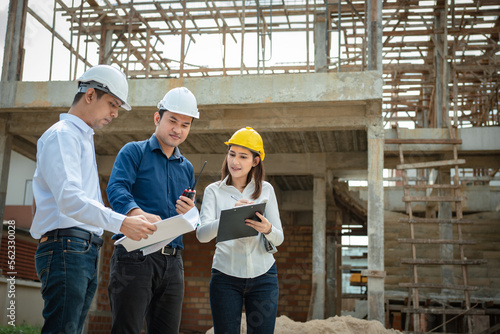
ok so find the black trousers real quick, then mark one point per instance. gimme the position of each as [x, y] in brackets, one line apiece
[147, 287]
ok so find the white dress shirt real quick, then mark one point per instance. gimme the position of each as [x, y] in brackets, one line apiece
[243, 257]
[66, 182]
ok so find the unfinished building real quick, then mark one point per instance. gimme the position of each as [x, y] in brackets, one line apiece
[401, 96]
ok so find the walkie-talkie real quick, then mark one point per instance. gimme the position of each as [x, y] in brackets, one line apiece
[189, 193]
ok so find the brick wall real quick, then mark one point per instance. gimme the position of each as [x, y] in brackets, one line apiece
[294, 261]
[294, 264]
[197, 258]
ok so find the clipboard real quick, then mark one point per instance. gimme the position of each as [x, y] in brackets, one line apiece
[232, 222]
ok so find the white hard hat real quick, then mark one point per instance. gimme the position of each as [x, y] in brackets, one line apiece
[108, 79]
[180, 100]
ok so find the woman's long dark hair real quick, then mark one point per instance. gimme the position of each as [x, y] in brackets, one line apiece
[257, 173]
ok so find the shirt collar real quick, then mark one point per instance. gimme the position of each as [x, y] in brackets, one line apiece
[78, 122]
[155, 145]
[224, 182]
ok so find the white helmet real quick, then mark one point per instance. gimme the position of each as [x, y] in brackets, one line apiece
[180, 100]
[108, 79]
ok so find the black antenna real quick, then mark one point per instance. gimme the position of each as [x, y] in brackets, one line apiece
[190, 192]
[196, 182]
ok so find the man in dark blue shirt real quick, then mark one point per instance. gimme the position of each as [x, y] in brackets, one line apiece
[148, 178]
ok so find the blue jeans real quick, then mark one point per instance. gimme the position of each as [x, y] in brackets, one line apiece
[150, 287]
[259, 294]
[67, 268]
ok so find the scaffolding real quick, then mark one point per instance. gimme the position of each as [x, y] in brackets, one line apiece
[439, 57]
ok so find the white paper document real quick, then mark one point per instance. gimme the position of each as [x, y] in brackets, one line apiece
[167, 230]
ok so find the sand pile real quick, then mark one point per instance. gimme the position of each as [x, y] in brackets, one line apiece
[334, 325]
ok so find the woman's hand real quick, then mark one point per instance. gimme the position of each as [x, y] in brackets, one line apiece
[243, 201]
[264, 226]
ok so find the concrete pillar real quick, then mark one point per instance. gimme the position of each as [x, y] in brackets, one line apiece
[14, 41]
[374, 34]
[317, 306]
[320, 42]
[338, 262]
[375, 272]
[331, 263]
[5, 151]
[425, 115]
[445, 230]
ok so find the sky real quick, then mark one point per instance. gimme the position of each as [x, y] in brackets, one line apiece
[3, 23]
[207, 51]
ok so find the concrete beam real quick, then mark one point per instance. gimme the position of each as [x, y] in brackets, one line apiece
[266, 118]
[292, 102]
[275, 164]
[214, 91]
[346, 165]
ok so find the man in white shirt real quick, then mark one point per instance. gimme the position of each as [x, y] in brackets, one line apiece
[70, 216]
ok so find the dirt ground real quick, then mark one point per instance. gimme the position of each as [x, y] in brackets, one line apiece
[334, 325]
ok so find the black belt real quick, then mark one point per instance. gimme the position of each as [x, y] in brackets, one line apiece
[77, 233]
[167, 250]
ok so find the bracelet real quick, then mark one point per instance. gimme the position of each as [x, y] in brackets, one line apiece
[270, 230]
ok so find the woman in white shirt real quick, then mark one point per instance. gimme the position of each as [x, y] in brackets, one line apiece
[243, 270]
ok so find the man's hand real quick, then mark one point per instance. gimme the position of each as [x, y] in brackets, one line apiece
[137, 227]
[149, 216]
[184, 204]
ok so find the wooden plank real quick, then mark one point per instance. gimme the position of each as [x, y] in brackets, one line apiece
[349, 267]
[436, 241]
[432, 310]
[432, 186]
[413, 332]
[432, 199]
[442, 262]
[435, 221]
[373, 273]
[421, 141]
[354, 295]
[438, 286]
[431, 164]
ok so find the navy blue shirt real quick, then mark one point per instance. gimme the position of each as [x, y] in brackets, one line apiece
[144, 177]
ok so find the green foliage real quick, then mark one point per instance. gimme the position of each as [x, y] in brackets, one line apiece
[23, 329]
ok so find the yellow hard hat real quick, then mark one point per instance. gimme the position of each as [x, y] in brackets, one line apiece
[248, 138]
